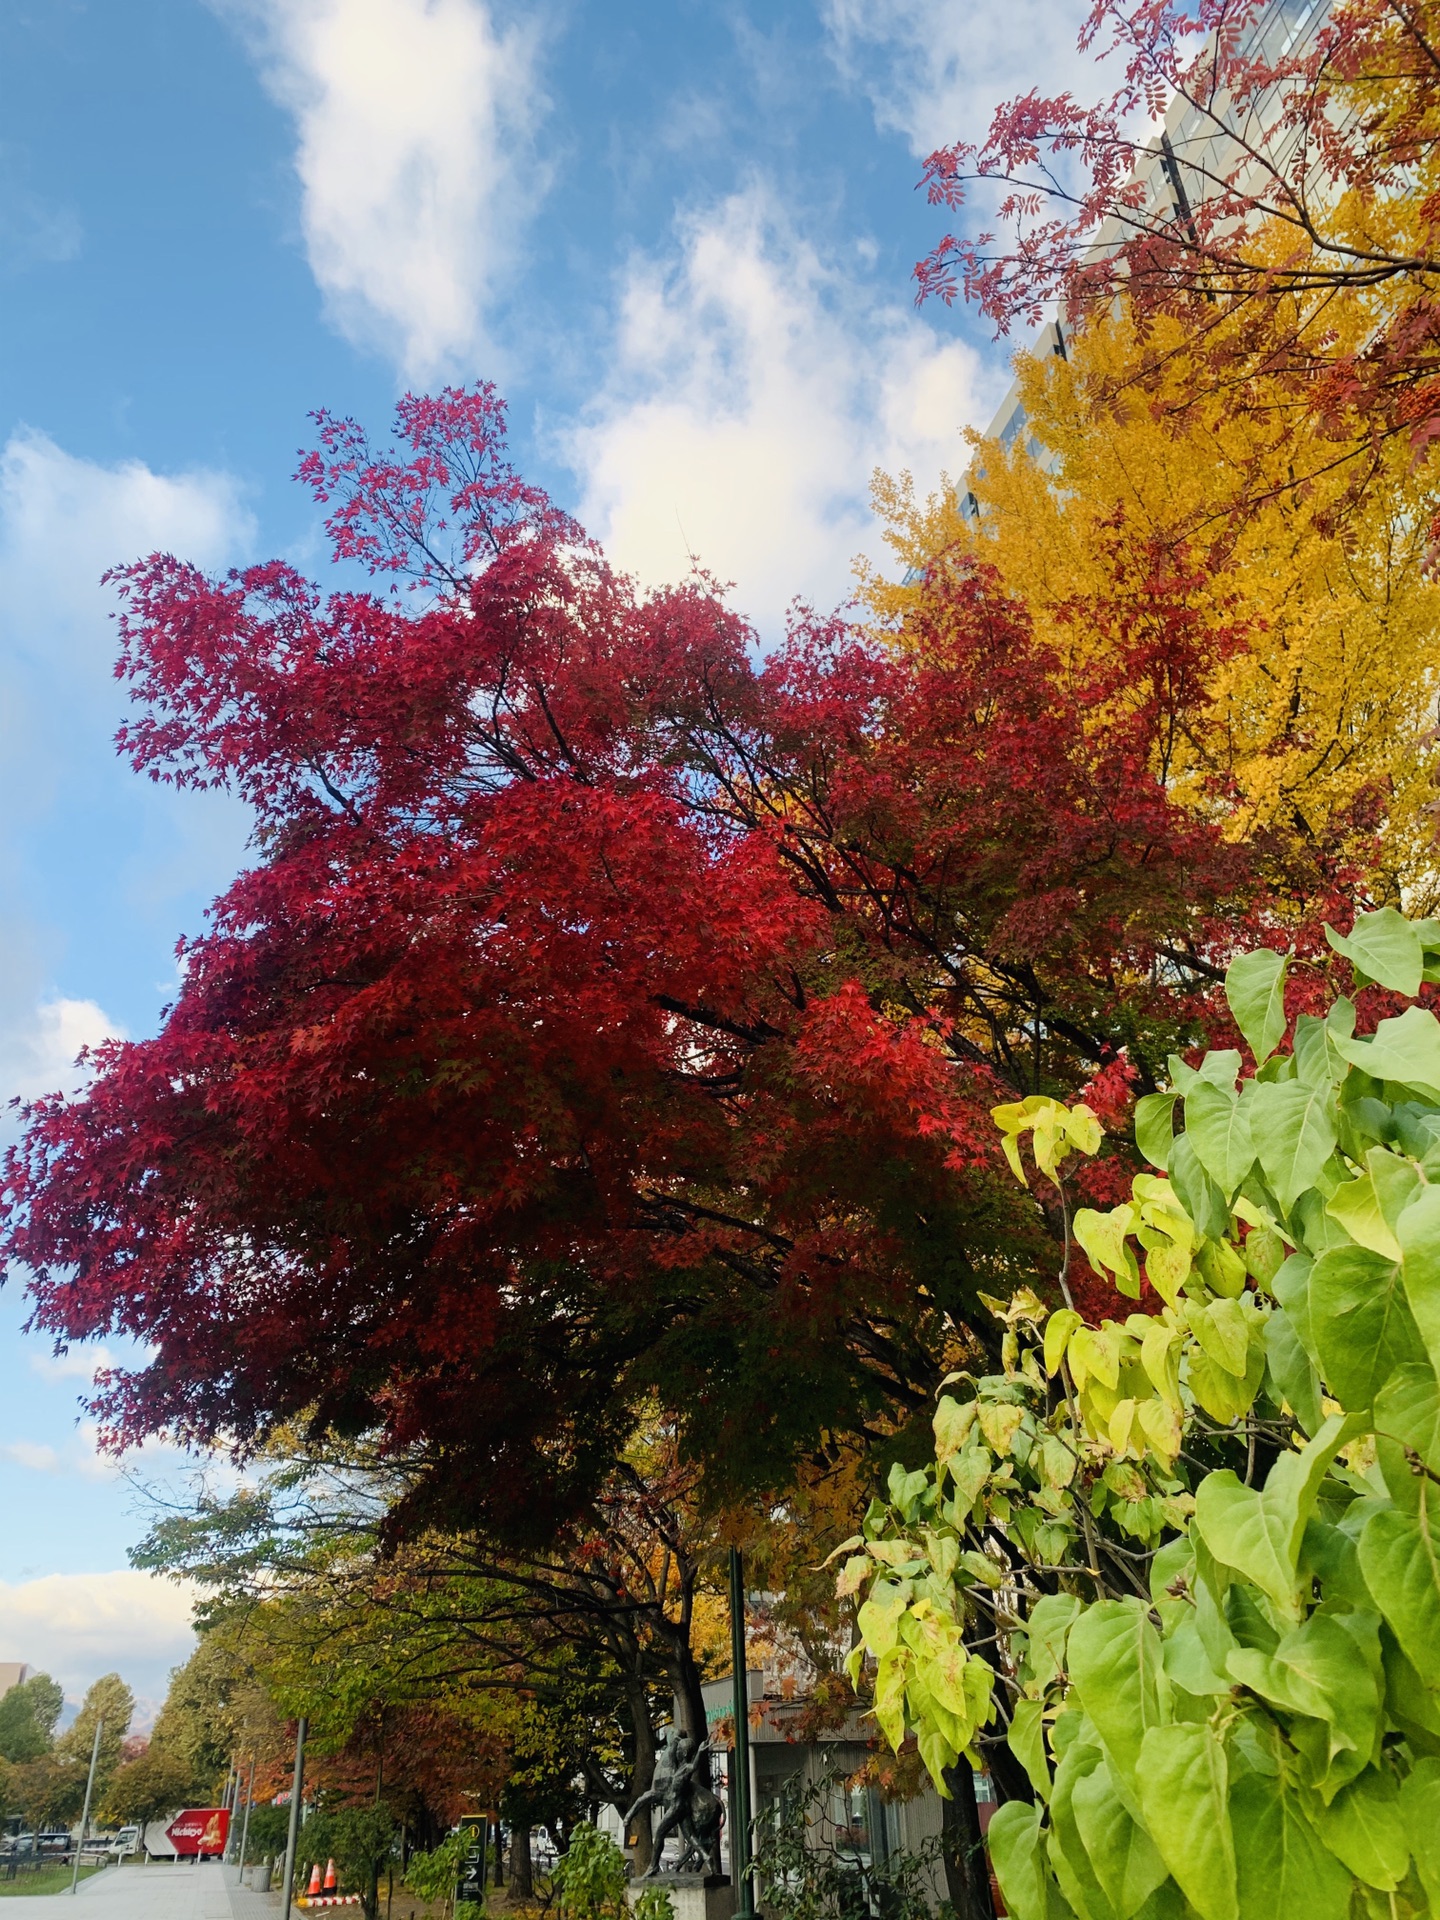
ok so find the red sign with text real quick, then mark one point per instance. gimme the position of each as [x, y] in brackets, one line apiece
[199, 1830]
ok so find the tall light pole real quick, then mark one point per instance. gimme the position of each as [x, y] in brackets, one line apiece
[740, 1857]
[89, 1789]
[297, 1788]
[245, 1828]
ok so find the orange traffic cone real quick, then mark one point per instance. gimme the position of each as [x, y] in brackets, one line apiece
[329, 1876]
[314, 1886]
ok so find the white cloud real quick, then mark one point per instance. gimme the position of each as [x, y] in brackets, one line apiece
[80, 1363]
[935, 72]
[76, 1626]
[32, 1454]
[414, 119]
[63, 522]
[755, 386]
[39, 1055]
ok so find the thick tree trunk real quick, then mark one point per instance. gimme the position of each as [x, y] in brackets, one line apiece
[967, 1874]
[642, 1773]
[689, 1700]
[522, 1865]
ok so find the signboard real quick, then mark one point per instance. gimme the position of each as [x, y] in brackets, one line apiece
[199, 1830]
[472, 1872]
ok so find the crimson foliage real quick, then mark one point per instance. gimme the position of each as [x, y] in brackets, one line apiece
[606, 1008]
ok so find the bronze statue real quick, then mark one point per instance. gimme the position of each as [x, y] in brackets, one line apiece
[686, 1804]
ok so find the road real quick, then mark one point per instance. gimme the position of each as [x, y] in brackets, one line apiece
[149, 1893]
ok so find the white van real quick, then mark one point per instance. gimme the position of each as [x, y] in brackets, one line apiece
[124, 1844]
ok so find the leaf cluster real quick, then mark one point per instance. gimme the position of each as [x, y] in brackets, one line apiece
[1257, 1726]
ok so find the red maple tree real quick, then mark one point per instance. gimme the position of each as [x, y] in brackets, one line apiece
[606, 1008]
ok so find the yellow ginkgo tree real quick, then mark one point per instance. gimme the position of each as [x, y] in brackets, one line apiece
[1308, 603]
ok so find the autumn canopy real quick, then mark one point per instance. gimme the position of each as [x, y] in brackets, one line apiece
[579, 1120]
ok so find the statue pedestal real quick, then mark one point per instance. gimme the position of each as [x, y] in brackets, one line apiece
[694, 1896]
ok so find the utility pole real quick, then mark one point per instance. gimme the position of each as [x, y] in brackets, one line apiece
[297, 1788]
[89, 1789]
[245, 1827]
[741, 1868]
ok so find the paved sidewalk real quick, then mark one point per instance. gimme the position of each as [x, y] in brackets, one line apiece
[148, 1893]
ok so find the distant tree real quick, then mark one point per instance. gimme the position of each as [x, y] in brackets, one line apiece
[108, 1700]
[147, 1789]
[47, 1791]
[27, 1718]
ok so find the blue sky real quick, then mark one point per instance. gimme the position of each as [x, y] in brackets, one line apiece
[678, 236]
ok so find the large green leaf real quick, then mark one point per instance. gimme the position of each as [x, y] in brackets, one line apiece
[1365, 1827]
[1284, 1872]
[1155, 1127]
[1017, 1851]
[1318, 1061]
[1027, 1743]
[1258, 1532]
[1051, 1619]
[1407, 1428]
[1255, 989]
[1405, 1049]
[1121, 1853]
[1400, 1559]
[1293, 1127]
[1070, 1859]
[1356, 1205]
[1184, 1798]
[1198, 1193]
[1418, 1231]
[1291, 1287]
[1420, 1809]
[1222, 1394]
[1217, 1124]
[1328, 1670]
[1360, 1322]
[1384, 946]
[1188, 1664]
[1292, 1371]
[1117, 1667]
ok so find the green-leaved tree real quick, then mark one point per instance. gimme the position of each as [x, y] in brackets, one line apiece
[1189, 1561]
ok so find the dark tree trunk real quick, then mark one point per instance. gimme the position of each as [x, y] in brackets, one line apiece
[499, 1876]
[689, 1700]
[967, 1872]
[642, 1773]
[522, 1866]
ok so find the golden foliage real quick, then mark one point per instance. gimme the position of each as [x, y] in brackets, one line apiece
[1306, 576]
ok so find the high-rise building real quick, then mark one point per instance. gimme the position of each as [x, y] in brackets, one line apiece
[13, 1673]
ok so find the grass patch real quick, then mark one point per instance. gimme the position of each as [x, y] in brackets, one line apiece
[40, 1880]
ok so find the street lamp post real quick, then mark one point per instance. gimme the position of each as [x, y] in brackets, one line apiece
[740, 1857]
[245, 1827]
[85, 1816]
[292, 1838]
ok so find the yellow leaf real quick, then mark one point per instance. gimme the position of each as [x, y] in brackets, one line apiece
[853, 1575]
[1160, 1423]
[1063, 1323]
[999, 1424]
[1083, 1127]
